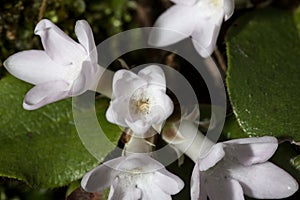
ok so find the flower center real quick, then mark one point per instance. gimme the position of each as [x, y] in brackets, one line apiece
[141, 102]
[210, 6]
[216, 2]
[143, 106]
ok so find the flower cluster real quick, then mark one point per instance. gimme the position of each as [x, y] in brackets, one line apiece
[139, 103]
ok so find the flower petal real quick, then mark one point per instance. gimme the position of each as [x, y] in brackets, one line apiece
[126, 82]
[86, 79]
[117, 110]
[121, 192]
[253, 140]
[184, 2]
[168, 182]
[102, 176]
[85, 37]
[215, 154]
[113, 190]
[195, 183]
[58, 45]
[34, 66]
[138, 127]
[224, 189]
[162, 108]
[154, 192]
[45, 93]
[134, 161]
[265, 181]
[173, 25]
[155, 76]
[206, 33]
[228, 8]
[250, 151]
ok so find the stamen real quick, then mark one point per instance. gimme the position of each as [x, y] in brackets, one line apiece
[143, 105]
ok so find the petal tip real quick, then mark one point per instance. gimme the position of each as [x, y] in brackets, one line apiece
[43, 24]
[27, 106]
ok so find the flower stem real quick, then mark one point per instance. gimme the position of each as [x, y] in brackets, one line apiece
[42, 10]
[195, 144]
[139, 144]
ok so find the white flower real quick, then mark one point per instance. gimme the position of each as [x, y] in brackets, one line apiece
[136, 177]
[65, 68]
[139, 100]
[200, 19]
[237, 167]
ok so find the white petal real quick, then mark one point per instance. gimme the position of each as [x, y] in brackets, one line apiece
[253, 140]
[215, 154]
[158, 127]
[198, 183]
[116, 191]
[168, 182]
[125, 83]
[45, 93]
[154, 192]
[121, 192]
[58, 45]
[34, 66]
[173, 25]
[265, 181]
[206, 34]
[184, 2]
[112, 189]
[250, 151]
[140, 161]
[195, 183]
[224, 189]
[85, 80]
[138, 127]
[228, 8]
[162, 108]
[102, 176]
[157, 115]
[155, 76]
[117, 111]
[134, 193]
[85, 37]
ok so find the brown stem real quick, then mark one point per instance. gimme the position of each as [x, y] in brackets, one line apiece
[221, 61]
[42, 10]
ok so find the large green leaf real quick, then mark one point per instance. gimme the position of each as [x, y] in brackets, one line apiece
[232, 129]
[42, 147]
[263, 81]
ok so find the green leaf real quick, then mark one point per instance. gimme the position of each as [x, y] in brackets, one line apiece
[42, 147]
[263, 74]
[232, 129]
[297, 18]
